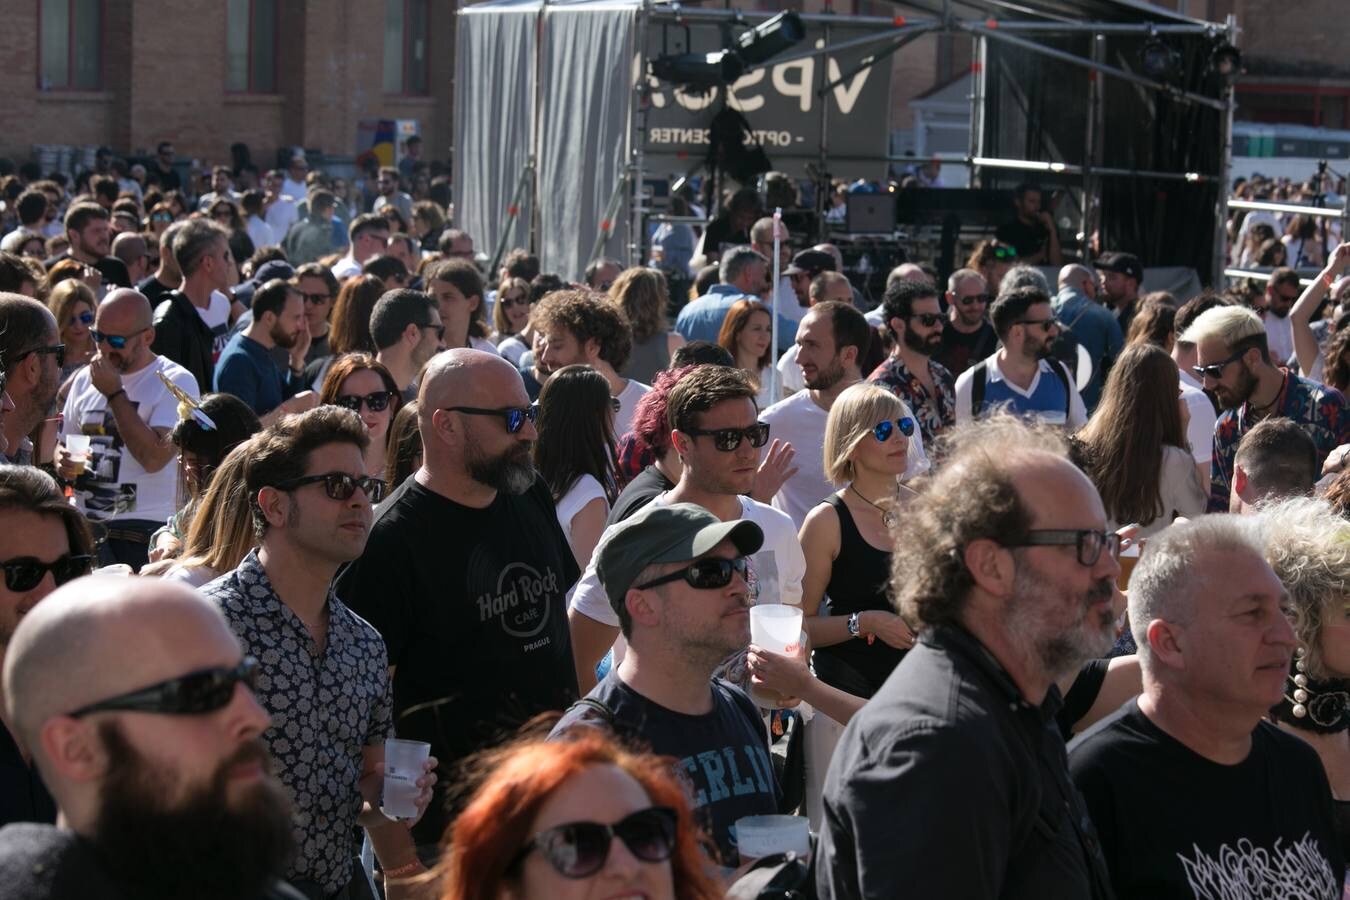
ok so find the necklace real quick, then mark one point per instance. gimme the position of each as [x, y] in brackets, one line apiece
[888, 517]
[1318, 706]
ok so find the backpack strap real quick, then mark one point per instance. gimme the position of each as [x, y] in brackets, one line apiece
[1062, 374]
[979, 372]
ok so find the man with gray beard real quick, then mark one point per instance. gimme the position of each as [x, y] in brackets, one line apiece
[952, 781]
[466, 574]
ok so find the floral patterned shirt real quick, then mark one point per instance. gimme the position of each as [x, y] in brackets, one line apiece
[935, 410]
[1318, 408]
[326, 707]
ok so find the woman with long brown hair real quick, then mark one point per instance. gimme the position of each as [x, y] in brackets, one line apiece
[746, 334]
[643, 296]
[362, 384]
[349, 323]
[1134, 446]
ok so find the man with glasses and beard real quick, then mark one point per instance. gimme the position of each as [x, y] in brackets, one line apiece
[952, 781]
[967, 336]
[124, 480]
[44, 542]
[1022, 377]
[324, 676]
[31, 356]
[246, 368]
[677, 577]
[910, 372]
[153, 757]
[1234, 365]
[466, 574]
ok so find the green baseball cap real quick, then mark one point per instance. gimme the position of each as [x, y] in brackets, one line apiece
[665, 534]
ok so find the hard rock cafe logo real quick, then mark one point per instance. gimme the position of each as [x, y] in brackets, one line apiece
[520, 601]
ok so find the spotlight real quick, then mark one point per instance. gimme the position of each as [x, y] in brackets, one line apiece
[769, 38]
[1158, 61]
[1226, 62]
[699, 70]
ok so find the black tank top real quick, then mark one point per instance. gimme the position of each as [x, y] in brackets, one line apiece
[859, 581]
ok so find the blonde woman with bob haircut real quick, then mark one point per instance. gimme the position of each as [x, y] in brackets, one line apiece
[642, 295]
[221, 534]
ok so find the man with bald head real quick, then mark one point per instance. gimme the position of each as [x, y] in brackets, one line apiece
[466, 573]
[1091, 324]
[31, 356]
[120, 403]
[153, 757]
[952, 781]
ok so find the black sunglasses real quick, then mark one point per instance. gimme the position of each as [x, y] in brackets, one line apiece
[508, 302]
[193, 694]
[1045, 324]
[579, 849]
[708, 574]
[26, 572]
[115, 341]
[376, 402]
[885, 429]
[975, 298]
[439, 329]
[927, 319]
[728, 439]
[1089, 543]
[316, 299]
[1215, 370]
[339, 485]
[515, 417]
[57, 350]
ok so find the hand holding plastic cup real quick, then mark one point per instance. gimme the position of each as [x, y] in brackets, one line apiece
[77, 445]
[761, 836]
[402, 767]
[776, 627]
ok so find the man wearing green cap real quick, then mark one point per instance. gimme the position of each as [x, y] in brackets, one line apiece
[675, 575]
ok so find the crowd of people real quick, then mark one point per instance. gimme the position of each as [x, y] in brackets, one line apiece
[293, 476]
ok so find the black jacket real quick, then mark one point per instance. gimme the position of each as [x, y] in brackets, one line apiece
[182, 336]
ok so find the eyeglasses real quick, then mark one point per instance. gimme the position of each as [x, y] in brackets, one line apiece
[1003, 253]
[728, 439]
[316, 299]
[579, 849]
[439, 329]
[519, 300]
[162, 217]
[884, 430]
[927, 319]
[193, 694]
[115, 341]
[514, 416]
[376, 402]
[973, 299]
[26, 572]
[1215, 370]
[1090, 543]
[1045, 324]
[708, 574]
[57, 350]
[84, 318]
[338, 485]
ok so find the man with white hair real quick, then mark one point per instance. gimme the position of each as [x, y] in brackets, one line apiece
[1193, 792]
[1234, 364]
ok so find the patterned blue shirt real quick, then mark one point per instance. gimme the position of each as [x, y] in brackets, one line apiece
[326, 707]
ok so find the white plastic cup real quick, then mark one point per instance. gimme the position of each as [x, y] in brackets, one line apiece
[761, 836]
[776, 627]
[402, 767]
[77, 445]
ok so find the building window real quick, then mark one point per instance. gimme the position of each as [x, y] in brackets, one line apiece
[70, 45]
[405, 47]
[251, 46]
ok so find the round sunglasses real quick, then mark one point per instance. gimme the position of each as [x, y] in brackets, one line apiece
[708, 574]
[376, 402]
[579, 849]
[26, 572]
[883, 431]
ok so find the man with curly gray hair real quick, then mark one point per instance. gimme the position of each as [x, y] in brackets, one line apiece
[952, 780]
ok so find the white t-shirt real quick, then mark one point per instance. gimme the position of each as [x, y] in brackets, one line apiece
[776, 571]
[114, 485]
[217, 318]
[1200, 430]
[483, 344]
[345, 268]
[790, 373]
[1279, 338]
[788, 306]
[512, 349]
[583, 491]
[762, 398]
[628, 401]
[192, 576]
[282, 214]
[261, 234]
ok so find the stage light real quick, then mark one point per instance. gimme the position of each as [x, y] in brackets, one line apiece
[769, 38]
[699, 70]
[1226, 62]
[1158, 61]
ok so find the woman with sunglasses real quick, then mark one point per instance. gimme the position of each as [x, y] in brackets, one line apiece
[73, 302]
[992, 259]
[575, 453]
[160, 218]
[746, 334]
[576, 818]
[511, 317]
[362, 384]
[226, 214]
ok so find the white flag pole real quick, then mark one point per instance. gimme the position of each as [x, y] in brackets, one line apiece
[773, 345]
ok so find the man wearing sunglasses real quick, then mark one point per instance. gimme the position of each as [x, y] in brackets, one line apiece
[44, 542]
[324, 675]
[31, 354]
[153, 757]
[967, 336]
[675, 576]
[1233, 364]
[910, 372]
[246, 368]
[1004, 563]
[118, 401]
[1089, 324]
[407, 330]
[466, 574]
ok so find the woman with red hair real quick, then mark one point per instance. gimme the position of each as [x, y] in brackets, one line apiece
[576, 818]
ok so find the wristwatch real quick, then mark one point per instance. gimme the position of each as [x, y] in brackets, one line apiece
[853, 628]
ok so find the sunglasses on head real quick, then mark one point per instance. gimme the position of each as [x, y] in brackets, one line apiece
[26, 572]
[192, 694]
[1215, 370]
[85, 318]
[728, 439]
[708, 574]
[928, 320]
[115, 341]
[884, 430]
[515, 417]
[338, 485]
[376, 402]
[975, 298]
[579, 849]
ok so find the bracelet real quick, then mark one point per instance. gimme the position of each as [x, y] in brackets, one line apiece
[1328, 279]
[113, 395]
[405, 869]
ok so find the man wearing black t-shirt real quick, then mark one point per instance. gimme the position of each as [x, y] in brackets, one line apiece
[1032, 231]
[967, 336]
[1194, 794]
[466, 574]
[90, 238]
[676, 577]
